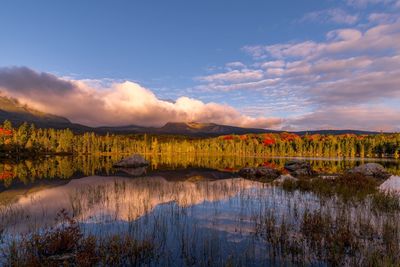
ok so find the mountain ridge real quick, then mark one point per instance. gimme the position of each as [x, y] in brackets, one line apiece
[11, 109]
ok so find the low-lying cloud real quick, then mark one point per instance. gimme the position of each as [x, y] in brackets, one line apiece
[375, 117]
[120, 103]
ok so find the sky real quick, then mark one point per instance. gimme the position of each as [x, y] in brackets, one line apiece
[291, 65]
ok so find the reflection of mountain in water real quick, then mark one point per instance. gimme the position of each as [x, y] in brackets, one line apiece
[99, 199]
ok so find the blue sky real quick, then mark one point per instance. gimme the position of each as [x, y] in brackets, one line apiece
[273, 60]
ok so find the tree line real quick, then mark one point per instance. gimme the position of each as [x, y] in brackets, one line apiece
[29, 140]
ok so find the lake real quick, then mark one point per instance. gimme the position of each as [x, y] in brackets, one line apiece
[196, 211]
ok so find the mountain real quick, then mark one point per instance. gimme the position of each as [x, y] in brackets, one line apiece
[11, 109]
[184, 128]
[335, 132]
[194, 128]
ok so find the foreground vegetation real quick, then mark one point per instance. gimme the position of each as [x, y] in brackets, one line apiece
[352, 188]
[298, 225]
[66, 245]
[31, 141]
[344, 236]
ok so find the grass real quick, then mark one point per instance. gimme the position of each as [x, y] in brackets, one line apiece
[355, 225]
[343, 221]
[385, 201]
[347, 186]
[336, 239]
[67, 246]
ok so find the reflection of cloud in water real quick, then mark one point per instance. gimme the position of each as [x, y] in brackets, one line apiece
[101, 199]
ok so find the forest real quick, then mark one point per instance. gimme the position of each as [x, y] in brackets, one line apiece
[29, 141]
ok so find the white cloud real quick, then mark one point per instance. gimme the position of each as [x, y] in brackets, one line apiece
[254, 85]
[335, 81]
[118, 103]
[234, 76]
[340, 41]
[333, 15]
[365, 3]
[383, 17]
[273, 64]
[235, 65]
[376, 118]
[275, 71]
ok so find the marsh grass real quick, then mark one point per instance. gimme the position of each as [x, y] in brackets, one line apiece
[349, 187]
[356, 224]
[323, 237]
[66, 245]
[385, 201]
[310, 222]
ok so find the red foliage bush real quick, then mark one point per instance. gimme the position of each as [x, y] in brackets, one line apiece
[243, 137]
[313, 137]
[270, 165]
[269, 141]
[5, 175]
[289, 137]
[5, 132]
[228, 137]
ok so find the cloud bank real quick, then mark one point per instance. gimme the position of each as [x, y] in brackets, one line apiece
[120, 103]
[349, 79]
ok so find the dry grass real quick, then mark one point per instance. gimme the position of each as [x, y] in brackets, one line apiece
[347, 186]
[344, 221]
[67, 246]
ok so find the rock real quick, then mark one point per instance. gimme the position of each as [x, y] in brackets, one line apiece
[134, 161]
[374, 170]
[259, 172]
[285, 177]
[391, 185]
[247, 172]
[266, 172]
[299, 168]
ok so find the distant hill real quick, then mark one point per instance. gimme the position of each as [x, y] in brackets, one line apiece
[12, 110]
[184, 128]
[193, 128]
[335, 132]
[210, 129]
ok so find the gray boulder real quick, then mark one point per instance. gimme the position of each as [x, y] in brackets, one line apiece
[247, 172]
[134, 161]
[259, 173]
[285, 177]
[299, 168]
[374, 170]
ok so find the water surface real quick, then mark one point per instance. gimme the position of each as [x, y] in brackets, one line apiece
[196, 210]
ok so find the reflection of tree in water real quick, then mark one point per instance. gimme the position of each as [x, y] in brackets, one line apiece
[64, 167]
